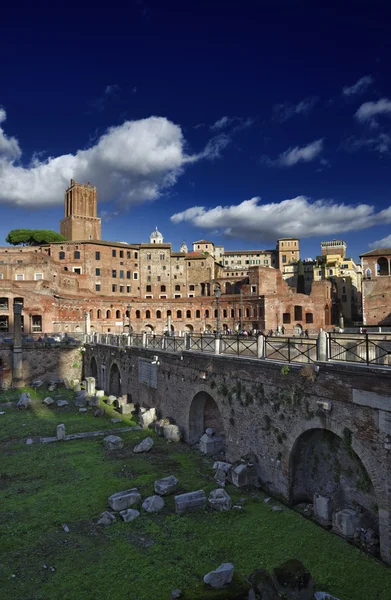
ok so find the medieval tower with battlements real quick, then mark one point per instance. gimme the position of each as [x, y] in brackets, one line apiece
[80, 209]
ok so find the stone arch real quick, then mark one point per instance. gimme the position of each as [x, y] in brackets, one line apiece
[371, 498]
[382, 266]
[204, 412]
[115, 380]
[94, 368]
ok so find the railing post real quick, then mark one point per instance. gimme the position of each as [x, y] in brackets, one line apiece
[289, 349]
[187, 341]
[260, 346]
[217, 344]
[367, 348]
[321, 347]
[145, 340]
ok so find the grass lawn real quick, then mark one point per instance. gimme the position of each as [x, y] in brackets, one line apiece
[43, 486]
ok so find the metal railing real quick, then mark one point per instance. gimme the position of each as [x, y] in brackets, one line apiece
[366, 349]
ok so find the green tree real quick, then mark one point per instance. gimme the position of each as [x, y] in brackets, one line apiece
[33, 237]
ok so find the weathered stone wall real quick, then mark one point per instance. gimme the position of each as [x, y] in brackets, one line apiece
[266, 408]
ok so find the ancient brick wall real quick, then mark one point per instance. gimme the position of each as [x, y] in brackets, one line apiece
[268, 411]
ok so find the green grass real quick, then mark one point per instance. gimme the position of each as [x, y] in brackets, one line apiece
[43, 486]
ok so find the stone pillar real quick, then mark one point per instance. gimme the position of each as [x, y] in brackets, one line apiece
[144, 339]
[87, 323]
[187, 341]
[321, 347]
[260, 346]
[169, 324]
[217, 344]
[17, 370]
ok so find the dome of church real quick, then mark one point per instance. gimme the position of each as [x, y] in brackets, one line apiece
[156, 237]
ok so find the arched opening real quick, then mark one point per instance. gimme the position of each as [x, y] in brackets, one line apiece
[298, 329]
[204, 413]
[115, 380]
[149, 328]
[158, 314]
[382, 266]
[117, 314]
[325, 465]
[228, 288]
[108, 314]
[188, 314]
[99, 314]
[208, 328]
[189, 328]
[94, 368]
[137, 314]
[147, 314]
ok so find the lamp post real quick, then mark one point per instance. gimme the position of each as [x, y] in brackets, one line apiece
[217, 294]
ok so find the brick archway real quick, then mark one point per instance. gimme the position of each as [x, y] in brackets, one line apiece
[94, 368]
[204, 412]
[115, 379]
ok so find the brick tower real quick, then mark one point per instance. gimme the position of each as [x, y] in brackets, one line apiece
[80, 221]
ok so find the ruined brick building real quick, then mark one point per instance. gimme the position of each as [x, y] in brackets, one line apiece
[376, 287]
[148, 286]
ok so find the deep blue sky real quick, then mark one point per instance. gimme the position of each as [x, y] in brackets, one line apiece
[305, 88]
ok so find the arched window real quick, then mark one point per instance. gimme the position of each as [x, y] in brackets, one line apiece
[188, 314]
[179, 314]
[383, 266]
[368, 274]
[169, 313]
[207, 314]
[137, 314]
[247, 312]
[147, 314]
[149, 256]
[117, 314]
[177, 288]
[198, 314]
[162, 288]
[108, 314]
[191, 288]
[158, 314]
[99, 314]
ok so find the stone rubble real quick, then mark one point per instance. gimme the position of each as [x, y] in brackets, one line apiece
[60, 432]
[220, 500]
[48, 401]
[124, 499]
[106, 518]
[153, 504]
[100, 412]
[129, 514]
[147, 417]
[220, 576]
[110, 400]
[24, 401]
[113, 442]
[190, 502]
[61, 403]
[144, 446]
[172, 432]
[166, 486]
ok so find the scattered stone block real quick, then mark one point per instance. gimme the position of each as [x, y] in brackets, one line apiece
[345, 522]
[172, 432]
[37, 384]
[239, 475]
[2, 412]
[166, 486]
[263, 585]
[144, 446]
[153, 504]
[221, 465]
[323, 507]
[90, 385]
[111, 399]
[81, 398]
[221, 576]
[267, 500]
[324, 596]
[211, 444]
[48, 401]
[220, 477]
[293, 579]
[277, 509]
[100, 412]
[129, 514]
[175, 594]
[190, 502]
[24, 401]
[125, 499]
[93, 401]
[127, 409]
[29, 441]
[147, 417]
[116, 420]
[82, 410]
[77, 388]
[52, 387]
[159, 426]
[74, 383]
[61, 403]
[219, 500]
[99, 393]
[106, 518]
[210, 431]
[60, 432]
[113, 442]
[65, 527]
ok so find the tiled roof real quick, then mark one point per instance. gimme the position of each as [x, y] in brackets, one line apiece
[378, 252]
[203, 242]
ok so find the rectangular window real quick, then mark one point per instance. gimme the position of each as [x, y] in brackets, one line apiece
[76, 254]
[121, 274]
[286, 318]
[121, 289]
[266, 262]
[128, 254]
[1, 276]
[162, 256]
[36, 323]
[114, 273]
[61, 255]
[3, 324]
[128, 289]
[77, 270]
[177, 296]
[148, 288]
[3, 303]
[121, 253]
[253, 289]
[38, 276]
[344, 298]
[19, 277]
[114, 253]
[128, 275]
[158, 278]
[114, 287]
[284, 258]
[149, 278]
[97, 287]
[298, 313]
[135, 275]
[97, 272]
[97, 255]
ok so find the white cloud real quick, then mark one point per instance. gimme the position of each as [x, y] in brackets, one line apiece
[283, 112]
[297, 217]
[379, 142]
[369, 110]
[358, 88]
[292, 156]
[383, 243]
[221, 123]
[133, 162]
[237, 123]
[9, 146]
